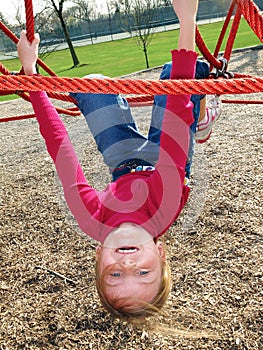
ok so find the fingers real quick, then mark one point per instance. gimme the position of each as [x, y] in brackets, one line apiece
[36, 38]
[23, 33]
[23, 36]
[28, 52]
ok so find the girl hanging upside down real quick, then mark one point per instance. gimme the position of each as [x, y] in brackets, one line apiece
[148, 190]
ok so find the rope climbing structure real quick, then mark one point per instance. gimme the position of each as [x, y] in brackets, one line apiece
[219, 82]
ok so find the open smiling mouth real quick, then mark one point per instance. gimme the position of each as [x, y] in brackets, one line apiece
[127, 250]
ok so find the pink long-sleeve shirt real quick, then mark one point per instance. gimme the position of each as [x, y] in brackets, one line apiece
[152, 199]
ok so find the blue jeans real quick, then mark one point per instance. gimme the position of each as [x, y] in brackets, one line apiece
[116, 134]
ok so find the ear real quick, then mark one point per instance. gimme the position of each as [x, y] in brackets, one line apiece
[98, 250]
[161, 250]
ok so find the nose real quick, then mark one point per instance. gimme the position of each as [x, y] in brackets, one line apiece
[128, 263]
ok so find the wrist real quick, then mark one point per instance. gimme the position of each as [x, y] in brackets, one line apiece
[187, 22]
[29, 70]
[187, 34]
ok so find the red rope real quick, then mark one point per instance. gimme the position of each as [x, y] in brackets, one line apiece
[3, 69]
[56, 86]
[30, 27]
[70, 111]
[242, 85]
[30, 34]
[205, 51]
[147, 100]
[26, 97]
[232, 34]
[253, 16]
[243, 102]
[15, 39]
[224, 28]
[212, 58]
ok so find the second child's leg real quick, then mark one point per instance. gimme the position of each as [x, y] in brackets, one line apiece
[209, 113]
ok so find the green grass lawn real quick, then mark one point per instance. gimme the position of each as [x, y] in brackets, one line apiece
[121, 57]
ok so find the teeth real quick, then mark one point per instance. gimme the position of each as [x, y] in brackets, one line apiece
[127, 250]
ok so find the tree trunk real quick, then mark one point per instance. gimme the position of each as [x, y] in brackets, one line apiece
[89, 25]
[69, 42]
[146, 56]
[59, 13]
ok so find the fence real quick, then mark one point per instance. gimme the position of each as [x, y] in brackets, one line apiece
[110, 24]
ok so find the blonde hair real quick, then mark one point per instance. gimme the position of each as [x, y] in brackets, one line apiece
[118, 308]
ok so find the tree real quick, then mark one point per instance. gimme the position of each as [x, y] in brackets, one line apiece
[5, 43]
[115, 5]
[59, 12]
[123, 10]
[166, 3]
[109, 8]
[2, 18]
[139, 20]
[46, 25]
[85, 10]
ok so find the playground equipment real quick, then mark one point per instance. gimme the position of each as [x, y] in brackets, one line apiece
[219, 82]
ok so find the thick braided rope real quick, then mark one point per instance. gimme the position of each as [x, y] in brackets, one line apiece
[14, 38]
[253, 16]
[69, 111]
[243, 85]
[25, 96]
[30, 33]
[224, 29]
[211, 58]
[147, 100]
[232, 34]
[30, 27]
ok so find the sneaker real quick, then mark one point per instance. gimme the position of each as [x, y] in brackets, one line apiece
[213, 111]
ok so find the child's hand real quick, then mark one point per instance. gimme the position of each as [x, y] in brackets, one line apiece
[185, 9]
[28, 52]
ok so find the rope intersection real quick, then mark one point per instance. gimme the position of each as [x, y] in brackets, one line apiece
[144, 90]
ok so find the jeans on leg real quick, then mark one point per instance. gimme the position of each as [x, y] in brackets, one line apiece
[202, 71]
[116, 134]
[117, 137]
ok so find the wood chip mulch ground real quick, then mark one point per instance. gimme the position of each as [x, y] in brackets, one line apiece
[48, 298]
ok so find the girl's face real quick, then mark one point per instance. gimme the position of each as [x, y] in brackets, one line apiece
[130, 263]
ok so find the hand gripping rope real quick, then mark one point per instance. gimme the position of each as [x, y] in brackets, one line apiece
[219, 82]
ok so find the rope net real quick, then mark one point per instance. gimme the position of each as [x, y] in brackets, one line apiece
[221, 82]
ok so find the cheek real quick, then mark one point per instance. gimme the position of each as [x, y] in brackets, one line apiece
[150, 261]
[106, 259]
[151, 257]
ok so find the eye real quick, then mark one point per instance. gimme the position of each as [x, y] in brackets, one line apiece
[116, 274]
[142, 273]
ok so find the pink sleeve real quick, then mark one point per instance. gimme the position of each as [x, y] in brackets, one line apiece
[81, 198]
[179, 112]
[167, 182]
